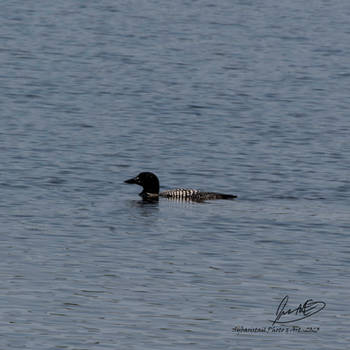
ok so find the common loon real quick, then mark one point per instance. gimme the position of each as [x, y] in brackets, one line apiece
[150, 184]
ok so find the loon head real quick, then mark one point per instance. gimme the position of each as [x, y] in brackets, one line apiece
[148, 181]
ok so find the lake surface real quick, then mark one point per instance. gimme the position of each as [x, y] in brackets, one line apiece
[242, 97]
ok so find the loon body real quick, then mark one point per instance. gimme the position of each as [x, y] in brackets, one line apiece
[150, 184]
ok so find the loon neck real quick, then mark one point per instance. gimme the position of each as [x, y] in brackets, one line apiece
[148, 195]
[151, 186]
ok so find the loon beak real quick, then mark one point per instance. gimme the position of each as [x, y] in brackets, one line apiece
[131, 181]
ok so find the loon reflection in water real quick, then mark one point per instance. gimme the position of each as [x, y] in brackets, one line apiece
[150, 192]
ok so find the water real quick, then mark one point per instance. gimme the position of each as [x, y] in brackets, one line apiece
[242, 97]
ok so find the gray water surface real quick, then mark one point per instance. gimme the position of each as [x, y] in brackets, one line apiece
[242, 97]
